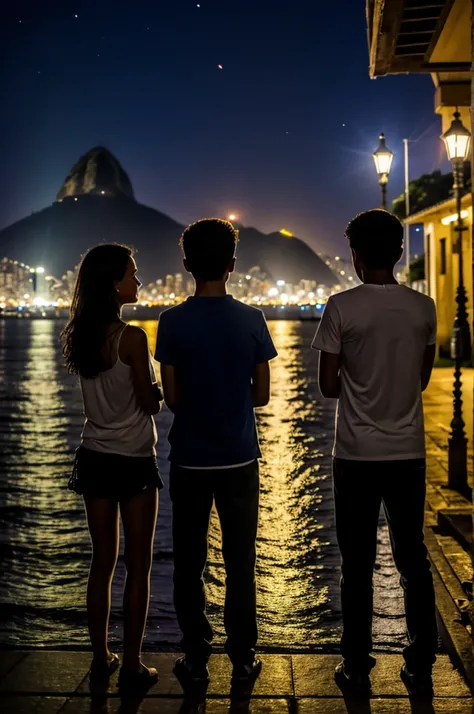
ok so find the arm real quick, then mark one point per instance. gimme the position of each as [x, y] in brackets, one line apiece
[329, 375]
[157, 390]
[168, 380]
[264, 352]
[165, 354]
[261, 384]
[137, 356]
[430, 351]
[427, 366]
[328, 340]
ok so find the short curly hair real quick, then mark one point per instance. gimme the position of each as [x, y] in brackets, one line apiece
[377, 237]
[209, 247]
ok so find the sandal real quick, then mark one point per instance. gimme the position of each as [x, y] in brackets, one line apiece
[132, 682]
[102, 669]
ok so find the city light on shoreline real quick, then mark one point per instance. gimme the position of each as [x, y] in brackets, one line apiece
[23, 288]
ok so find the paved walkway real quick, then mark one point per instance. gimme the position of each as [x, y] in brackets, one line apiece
[52, 682]
[438, 408]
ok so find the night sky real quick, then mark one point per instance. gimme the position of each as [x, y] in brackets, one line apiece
[258, 108]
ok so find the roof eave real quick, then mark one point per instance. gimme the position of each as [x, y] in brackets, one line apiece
[385, 20]
[418, 217]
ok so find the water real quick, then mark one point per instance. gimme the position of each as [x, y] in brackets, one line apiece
[44, 544]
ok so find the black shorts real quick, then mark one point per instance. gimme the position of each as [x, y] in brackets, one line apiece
[99, 475]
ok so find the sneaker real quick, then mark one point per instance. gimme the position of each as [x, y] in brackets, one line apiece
[246, 672]
[356, 683]
[419, 684]
[193, 672]
[132, 682]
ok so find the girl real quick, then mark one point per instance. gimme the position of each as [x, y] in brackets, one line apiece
[115, 467]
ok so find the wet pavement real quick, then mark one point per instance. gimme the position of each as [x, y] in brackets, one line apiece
[53, 682]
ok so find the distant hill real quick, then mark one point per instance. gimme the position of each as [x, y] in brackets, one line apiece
[96, 203]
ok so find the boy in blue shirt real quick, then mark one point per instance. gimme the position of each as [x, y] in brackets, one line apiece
[214, 353]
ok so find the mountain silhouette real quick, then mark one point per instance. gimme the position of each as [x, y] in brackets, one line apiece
[96, 203]
[98, 172]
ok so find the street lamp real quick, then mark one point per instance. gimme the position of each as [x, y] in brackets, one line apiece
[457, 140]
[383, 162]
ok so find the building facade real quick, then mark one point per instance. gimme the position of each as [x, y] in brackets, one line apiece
[15, 282]
[406, 37]
[442, 262]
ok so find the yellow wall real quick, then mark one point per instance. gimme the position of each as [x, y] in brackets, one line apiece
[443, 288]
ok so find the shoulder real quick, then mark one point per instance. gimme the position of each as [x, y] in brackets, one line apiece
[345, 298]
[422, 298]
[248, 312]
[174, 313]
[133, 336]
[423, 302]
[170, 312]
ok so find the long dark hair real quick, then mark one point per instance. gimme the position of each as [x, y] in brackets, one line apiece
[95, 305]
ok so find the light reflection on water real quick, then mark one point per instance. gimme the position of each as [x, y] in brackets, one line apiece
[44, 542]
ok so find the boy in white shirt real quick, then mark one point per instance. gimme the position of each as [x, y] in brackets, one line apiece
[377, 344]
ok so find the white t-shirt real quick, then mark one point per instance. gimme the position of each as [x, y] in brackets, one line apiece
[115, 422]
[381, 332]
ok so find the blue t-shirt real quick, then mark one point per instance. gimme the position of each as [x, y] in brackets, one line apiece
[214, 344]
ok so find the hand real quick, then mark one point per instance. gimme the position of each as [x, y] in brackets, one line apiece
[157, 389]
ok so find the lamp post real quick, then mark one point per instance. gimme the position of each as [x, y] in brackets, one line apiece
[383, 163]
[457, 140]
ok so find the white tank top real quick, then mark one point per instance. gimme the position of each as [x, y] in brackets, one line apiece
[115, 423]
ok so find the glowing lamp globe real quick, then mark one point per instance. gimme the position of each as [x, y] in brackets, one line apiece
[383, 158]
[457, 140]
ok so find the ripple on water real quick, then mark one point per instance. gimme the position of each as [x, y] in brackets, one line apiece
[44, 542]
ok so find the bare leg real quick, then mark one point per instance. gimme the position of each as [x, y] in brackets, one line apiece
[139, 522]
[102, 519]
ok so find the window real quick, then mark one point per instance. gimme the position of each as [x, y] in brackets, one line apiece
[442, 256]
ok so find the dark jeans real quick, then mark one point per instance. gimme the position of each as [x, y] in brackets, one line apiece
[359, 490]
[236, 495]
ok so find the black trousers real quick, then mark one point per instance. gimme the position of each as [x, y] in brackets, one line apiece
[359, 490]
[236, 495]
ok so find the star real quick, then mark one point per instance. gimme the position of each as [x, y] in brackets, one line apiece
[198, 5]
[220, 66]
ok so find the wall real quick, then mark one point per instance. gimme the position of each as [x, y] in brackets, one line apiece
[442, 287]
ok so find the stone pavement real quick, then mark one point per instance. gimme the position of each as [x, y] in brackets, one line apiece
[438, 411]
[446, 511]
[53, 682]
